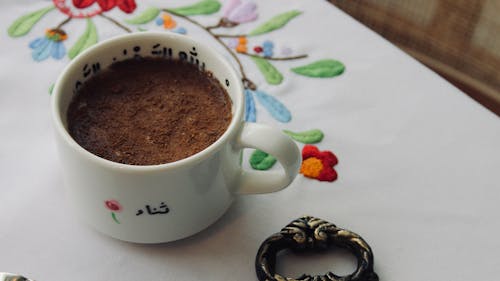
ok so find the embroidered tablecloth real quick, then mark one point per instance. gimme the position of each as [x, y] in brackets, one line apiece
[418, 161]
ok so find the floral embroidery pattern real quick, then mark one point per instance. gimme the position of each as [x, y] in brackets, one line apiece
[315, 164]
[261, 160]
[128, 6]
[318, 164]
[115, 207]
[233, 13]
[49, 45]
[311, 136]
[169, 23]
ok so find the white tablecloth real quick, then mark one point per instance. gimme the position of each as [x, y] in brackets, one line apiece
[419, 162]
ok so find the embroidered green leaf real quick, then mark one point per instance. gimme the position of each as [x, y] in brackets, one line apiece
[274, 23]
[146, 16]
[23, 25]
[204, 7]
[272, 75]
[88, 38]
[259, 160]
[311, 136]
[322, 68]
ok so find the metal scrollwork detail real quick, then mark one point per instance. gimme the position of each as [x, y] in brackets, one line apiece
[312, 234]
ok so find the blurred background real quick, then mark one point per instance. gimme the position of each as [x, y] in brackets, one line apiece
[459, 39]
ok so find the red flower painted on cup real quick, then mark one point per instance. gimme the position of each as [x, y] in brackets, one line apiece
[318, 164]
[115, 207]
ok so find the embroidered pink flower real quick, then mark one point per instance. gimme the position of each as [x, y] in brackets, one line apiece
[239, 11]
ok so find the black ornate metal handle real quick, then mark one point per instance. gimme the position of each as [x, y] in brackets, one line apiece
[311, 234]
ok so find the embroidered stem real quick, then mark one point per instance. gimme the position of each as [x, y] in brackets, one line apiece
[213, 26]
[274, 58]
[246, 82]
[223, 22]
[219, 24]
[63, 23]
[116, 23]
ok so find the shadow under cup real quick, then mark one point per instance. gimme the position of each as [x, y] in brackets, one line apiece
[135, 203]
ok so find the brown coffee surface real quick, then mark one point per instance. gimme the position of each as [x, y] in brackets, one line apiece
[149, 111]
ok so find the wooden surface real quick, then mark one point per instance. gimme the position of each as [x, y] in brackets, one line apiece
[457, 39]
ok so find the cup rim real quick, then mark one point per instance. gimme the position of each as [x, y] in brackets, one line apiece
[193, 159]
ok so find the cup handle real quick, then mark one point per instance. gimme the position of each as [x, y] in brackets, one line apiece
[275, 143]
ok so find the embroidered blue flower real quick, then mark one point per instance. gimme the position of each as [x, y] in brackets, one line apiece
[180, 30]
[159, 21]
[268, 48]
[49, 45]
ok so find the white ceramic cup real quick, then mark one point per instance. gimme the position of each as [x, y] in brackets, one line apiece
[161, 203]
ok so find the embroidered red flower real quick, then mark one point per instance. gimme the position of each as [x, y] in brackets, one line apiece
[113, 205]
[105, 5]
[81, 4]
[318, 164]
[128, 6]
[87, 9]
